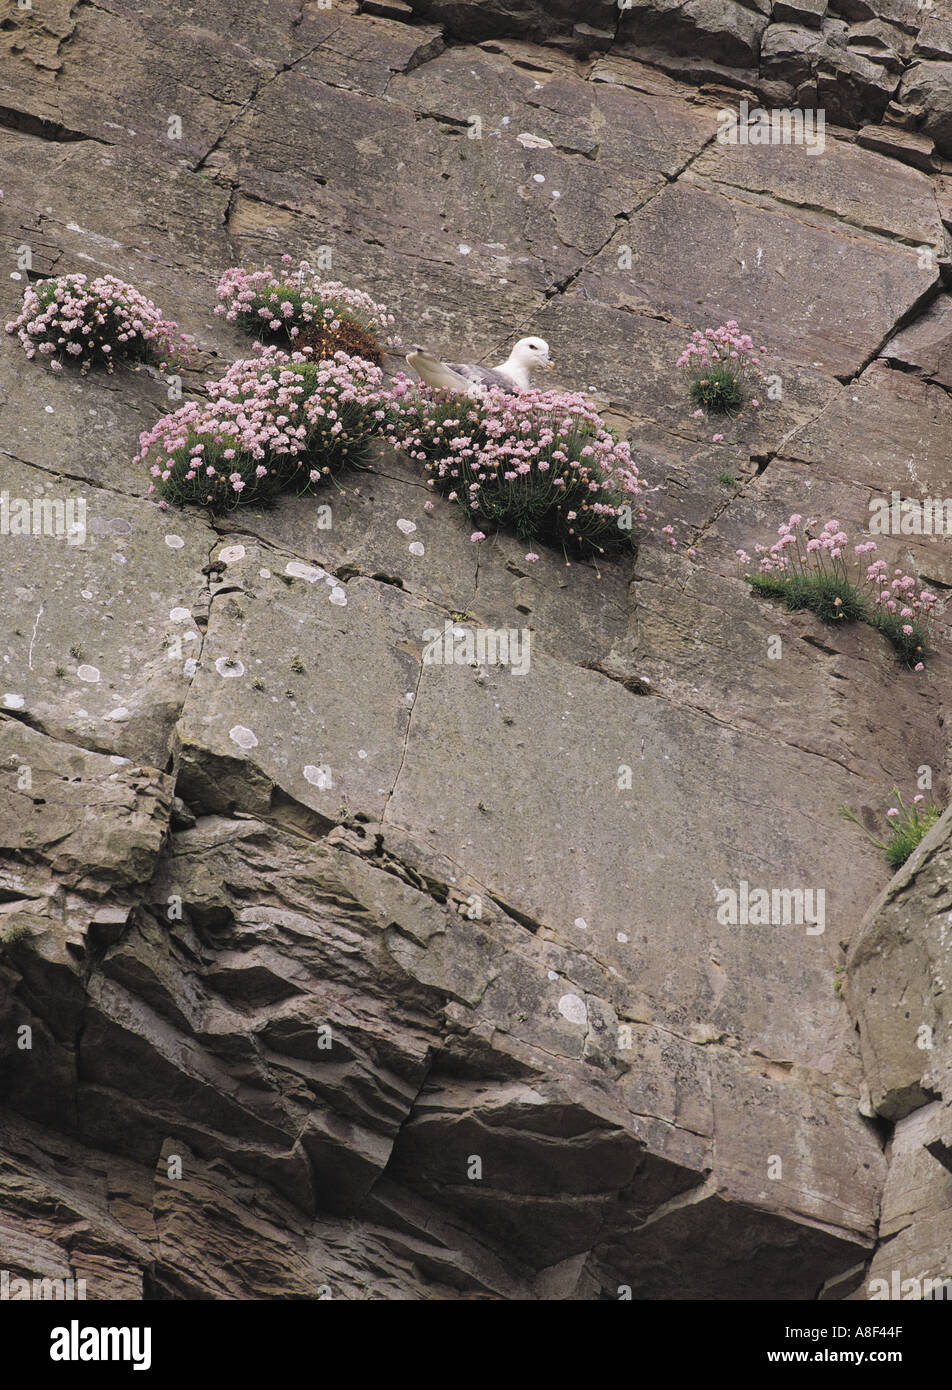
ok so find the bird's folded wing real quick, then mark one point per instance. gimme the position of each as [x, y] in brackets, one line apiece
[483, 376]
[456, 376]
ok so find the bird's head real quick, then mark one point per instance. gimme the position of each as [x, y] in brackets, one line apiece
[532, 354]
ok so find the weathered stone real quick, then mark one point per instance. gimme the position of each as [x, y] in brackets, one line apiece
[934, 39]
[809, 13]
[823, 69]
[917, 150]
[927, 90]
[896, 970]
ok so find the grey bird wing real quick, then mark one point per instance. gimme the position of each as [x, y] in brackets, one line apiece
[483, 376]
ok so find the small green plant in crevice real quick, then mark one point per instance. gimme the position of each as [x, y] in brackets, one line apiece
[720, 363]
[727, 480]
[297, 666]
[718, 391]
[819, 570]
[19, 931]
[839, 975]
[906, 826]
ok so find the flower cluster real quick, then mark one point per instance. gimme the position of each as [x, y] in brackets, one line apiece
[822, 571]
[541, 462]
[273, 423]
[71, 318]
[294, 307]
[719, 362]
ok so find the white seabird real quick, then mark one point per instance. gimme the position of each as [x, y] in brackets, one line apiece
[528, 355]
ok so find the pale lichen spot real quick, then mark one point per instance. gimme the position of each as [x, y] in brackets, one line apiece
[174, 542]
[573, 1008]
[297, 570]
[416, 548]
[12, 701]
[179, 615]
[229, 666]
[242, 736]
[88, 673]
[231, 553]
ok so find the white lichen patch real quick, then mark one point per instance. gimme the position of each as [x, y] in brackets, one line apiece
[229, 666]
[416, 548]
[88, 673]
[581, 923]
[231, 553]
[179, 615]
[317, 776]
[407, 527]
[339, 597]
[12, 701]
[116, 716]
[242, 736]
[533, 142]
[190, 667]
[298, 570]
[573, 1008]
[174, 542]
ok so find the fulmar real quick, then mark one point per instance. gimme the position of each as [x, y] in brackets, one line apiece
[528, 355]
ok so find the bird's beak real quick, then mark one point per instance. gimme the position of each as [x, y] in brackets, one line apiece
[549, 364]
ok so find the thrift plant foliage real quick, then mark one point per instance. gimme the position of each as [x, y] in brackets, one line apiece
[720, 364]
[293, 308]
[93, 322]
[814, 571]
[274, 423]
[542, 463]
[906, 826]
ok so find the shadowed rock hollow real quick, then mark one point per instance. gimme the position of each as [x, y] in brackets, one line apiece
[329, 924]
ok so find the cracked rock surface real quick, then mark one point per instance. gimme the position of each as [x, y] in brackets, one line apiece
[343, 971]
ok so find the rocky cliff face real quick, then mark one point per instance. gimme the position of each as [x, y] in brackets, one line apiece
[328, 972]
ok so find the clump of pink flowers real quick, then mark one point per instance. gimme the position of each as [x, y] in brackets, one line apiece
[273, 423]
[720, 363]
[71, 318]
[542, 463]
[294, 304]
[819, 568]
